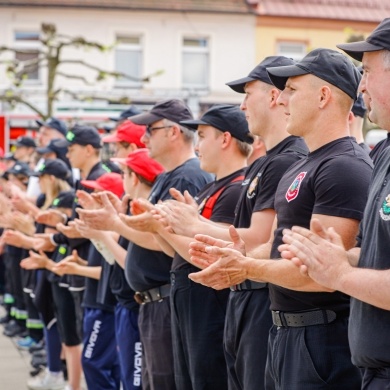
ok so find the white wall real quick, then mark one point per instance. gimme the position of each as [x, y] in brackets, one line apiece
[232, 44]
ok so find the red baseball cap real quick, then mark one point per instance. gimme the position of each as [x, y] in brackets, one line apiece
[108, 182]
[141, 163]
[128, 132]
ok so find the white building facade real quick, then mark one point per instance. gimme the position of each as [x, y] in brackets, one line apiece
[188, 54]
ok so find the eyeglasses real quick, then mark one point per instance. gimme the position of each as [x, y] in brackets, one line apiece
[149, 130]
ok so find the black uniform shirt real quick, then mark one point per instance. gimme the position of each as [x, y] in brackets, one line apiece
[90, 297]
[146, 269]
[262, 178]
[368, 325]
[76, 282]
[379, 148]
[119, 286]
[223, 210]
[333, 180]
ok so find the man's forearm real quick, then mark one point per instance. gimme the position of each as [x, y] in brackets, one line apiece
[282, 273]
[353, 256]
[367, 285]
[142, 239]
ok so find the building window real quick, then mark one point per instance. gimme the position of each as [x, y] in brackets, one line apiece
[195, 63]
[27, 47]
[128, 60]
[294, 50]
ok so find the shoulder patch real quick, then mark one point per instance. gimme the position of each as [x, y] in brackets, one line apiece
[293, 190]
[385, 209]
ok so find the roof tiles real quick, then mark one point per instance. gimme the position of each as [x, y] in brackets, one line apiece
[225, 6]
[357, 10]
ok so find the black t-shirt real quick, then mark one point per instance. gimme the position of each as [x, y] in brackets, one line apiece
[104, 295]
[96, 171]
[333, 180]
[90, 297]
[379, 148]
[146, 269]
[119, 286]
[76, 282]
[262, 178]
[223, 210]
[369, 326]
[60, 252]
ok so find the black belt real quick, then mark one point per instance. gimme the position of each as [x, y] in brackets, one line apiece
[152, 295]
[248, 285]
[303, 318]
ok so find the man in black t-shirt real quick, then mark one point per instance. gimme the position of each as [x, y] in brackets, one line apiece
[198, 312]
[362, 272]
[308, 344]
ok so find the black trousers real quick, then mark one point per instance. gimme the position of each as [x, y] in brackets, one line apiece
[154, 323]
[198, 319]
[376, 379]
[312, 357]
[248, 321]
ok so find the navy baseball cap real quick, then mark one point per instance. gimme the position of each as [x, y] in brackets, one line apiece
[131, 111]
[54, 123]
[25, 141]
[65, 199]
[260, 72]
[55, 167]
[379, 39]
[359, 108]
[81, 135]
[326, 64]
[20, 168]
[225, 118]
[174, 110]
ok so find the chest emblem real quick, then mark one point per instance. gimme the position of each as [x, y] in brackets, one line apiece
[251, 192]
[385, 209]
[293, 190]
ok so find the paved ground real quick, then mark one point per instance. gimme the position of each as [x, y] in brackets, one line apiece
[14, 364]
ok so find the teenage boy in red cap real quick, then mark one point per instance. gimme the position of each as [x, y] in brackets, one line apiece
[140, 172]
[127, 138]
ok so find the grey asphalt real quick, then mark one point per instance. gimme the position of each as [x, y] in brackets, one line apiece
[14, 364]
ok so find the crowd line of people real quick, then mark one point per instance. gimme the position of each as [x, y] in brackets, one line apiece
[242, 250]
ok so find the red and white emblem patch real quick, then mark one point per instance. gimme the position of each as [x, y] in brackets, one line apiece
[293, 190]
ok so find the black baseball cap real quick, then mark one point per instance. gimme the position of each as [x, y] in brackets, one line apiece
[65, 199]
[224, 117]
[326, 64]
[54, 123]
[260, 72]
[52, 147]
[81, 135]
[174, 110]
[20, 168]
[359, 108]
[131, 111]
[379, 39]
[55, 167]
[25, 141]
[9, 156]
